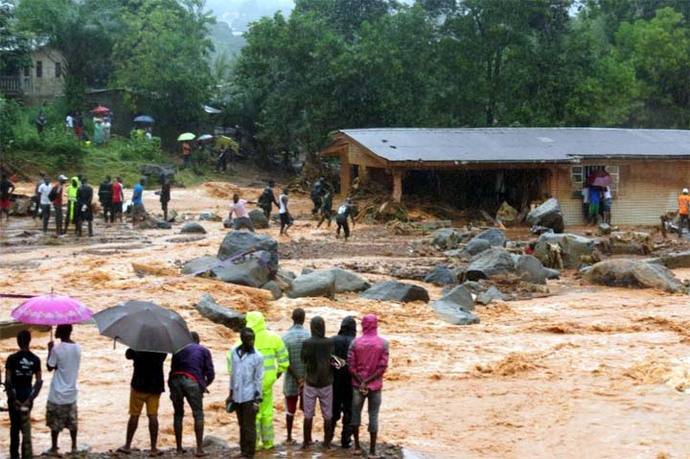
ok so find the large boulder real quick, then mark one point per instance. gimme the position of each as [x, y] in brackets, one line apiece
[396, 291]
[192, 228]
[494, 236]
[507, 214]
[549, 215]
[252, 272]
[347, 281]
[456, 307]
[572, 248]
[314, 284]
[624, 272]
[530, 269]
[216, 313]
[492, 262]
[238, 243]
[158, 171]
[442, 275]
[674, 260]
[258, 219]
[446, 238]
[489, 295]
[274, 288]
[630, 243]
[200, 265]
[476, 246]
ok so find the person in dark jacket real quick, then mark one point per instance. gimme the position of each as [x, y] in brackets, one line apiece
[105, 197]
[84, 201]
[316, 356]
[267, 200]
[165, 197]
[342, 381]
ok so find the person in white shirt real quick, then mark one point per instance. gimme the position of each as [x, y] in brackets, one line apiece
[239, 208]
[285, 218]
[61, 412]
[606, 205]
[44, 201]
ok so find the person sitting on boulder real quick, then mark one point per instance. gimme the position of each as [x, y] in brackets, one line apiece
[241, 220]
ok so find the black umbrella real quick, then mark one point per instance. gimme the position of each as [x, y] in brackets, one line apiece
[144, 326]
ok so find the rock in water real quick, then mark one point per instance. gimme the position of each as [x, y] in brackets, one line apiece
[446, 238]
[216, 313]
[209, 216]
[489, 263]
[456, 307]
[674, 260]
[252, 272]
[258, 219]
[572, 248]
[200, 265]
[441, 276]
[192, 228]
[396, 291]
[491, 294]
[634, 273]
[495, 237]
[604, 229]
[347, 281]
[314, 284]
[476, 246]
[530, 269]
[274, 288]
[549, 215]
[237, 243]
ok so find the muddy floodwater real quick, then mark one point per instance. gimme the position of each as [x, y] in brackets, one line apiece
[583, 372]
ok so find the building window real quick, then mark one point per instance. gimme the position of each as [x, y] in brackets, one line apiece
[27, 72]
[58, 70]
[39, 69]
[579, 175]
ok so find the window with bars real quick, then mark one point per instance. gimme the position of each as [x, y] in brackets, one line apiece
[579, 175]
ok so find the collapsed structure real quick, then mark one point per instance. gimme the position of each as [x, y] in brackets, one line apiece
[483, 167]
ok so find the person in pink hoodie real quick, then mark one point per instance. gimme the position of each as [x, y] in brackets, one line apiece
[367, 360]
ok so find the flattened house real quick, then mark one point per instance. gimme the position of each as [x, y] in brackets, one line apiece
[483, 167]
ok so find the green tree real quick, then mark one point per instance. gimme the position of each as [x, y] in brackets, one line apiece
[14, 44]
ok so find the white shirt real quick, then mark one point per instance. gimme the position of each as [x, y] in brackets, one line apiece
[69, 121]
[44, 191]
[585, 195]
[283, 203]
[66, 357]
[239, 209]
[607, 193]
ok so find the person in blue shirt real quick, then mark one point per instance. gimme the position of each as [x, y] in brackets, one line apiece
[138, 212]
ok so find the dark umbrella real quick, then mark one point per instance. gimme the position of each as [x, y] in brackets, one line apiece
[144, 119]
[144, 326]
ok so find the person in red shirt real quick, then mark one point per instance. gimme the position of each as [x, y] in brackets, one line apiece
[118, 196]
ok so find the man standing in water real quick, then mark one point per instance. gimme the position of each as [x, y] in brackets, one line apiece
[165, 196]
[57, 193]
[293, 383]
[118, 198]
[84, 211]
[20, 370]
[105, 197]
[71, 215]
[342, 381]
[285, 218]
[44, 201]
[345, 211]
[6, 190]
[367, 361]
[138, 211]
[61, 413]
[267, 199]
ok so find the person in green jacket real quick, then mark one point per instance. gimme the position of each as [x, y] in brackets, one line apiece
[71, 215]
[276, 362]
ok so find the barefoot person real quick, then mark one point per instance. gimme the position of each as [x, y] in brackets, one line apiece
[316, 356]
[21, 369]
[293, 383]
[367, 361]
[191, 372]
[285, 218]
[64, 359]
[246, 382]
[146, 388]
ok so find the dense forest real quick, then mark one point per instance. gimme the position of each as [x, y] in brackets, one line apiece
[336, 64]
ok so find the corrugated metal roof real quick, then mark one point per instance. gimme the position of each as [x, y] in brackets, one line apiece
[520, 144]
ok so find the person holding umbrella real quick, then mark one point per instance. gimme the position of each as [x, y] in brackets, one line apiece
[61, 412]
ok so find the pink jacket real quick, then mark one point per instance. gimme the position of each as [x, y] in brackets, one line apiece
[368, 354]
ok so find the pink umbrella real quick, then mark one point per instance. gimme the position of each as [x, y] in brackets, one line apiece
[51, 310]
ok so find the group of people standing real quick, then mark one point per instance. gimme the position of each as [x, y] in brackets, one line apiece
[597, 203]
[341, 373]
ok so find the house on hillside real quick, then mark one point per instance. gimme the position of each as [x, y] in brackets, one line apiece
[481, 168]
[41, 81]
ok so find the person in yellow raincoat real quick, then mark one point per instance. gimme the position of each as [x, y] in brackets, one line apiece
[71, 214]
[276, 362]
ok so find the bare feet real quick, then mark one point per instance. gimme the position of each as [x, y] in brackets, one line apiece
[155, 453]
[124, 450]
[200, 453]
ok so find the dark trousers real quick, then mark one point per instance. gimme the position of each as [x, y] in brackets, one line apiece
[345, 226]
[117, 211]
[107, 211]
[684, 223]
[164, 208]
[267, 213]
[222, 164]
[45, 216]
[246, 417]
[58, 219]
[20, 423]
[342, 406]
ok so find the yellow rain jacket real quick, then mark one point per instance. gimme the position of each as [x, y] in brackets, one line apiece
[72, 198]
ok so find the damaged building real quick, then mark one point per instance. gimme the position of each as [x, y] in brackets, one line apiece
[483, 167]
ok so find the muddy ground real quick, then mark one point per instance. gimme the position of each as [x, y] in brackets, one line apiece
[588, 371]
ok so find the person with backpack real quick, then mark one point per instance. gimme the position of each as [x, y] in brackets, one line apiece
[267, 200]
[345, 211]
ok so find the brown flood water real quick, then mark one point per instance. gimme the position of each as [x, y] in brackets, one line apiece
[585, 372]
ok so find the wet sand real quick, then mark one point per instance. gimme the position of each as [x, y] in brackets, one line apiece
[586, 372]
